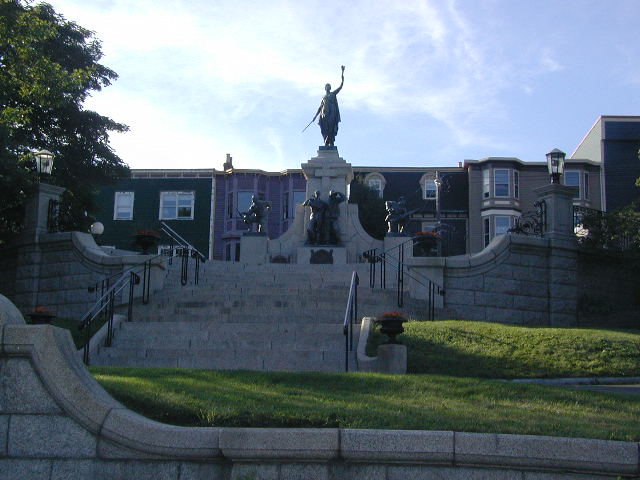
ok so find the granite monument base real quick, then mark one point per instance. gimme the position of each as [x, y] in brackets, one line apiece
[253, 248]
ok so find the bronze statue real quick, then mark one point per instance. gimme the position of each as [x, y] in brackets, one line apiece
[329, 114]
[256, 213]
[332, 233]
[397, 215]
[318, 210]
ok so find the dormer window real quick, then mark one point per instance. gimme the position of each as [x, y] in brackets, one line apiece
[429, 187]
[377, 182]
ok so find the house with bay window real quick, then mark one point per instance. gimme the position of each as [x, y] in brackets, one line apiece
[471, 203]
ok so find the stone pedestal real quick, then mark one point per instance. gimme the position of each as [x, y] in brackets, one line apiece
[253, 248]
[392, 358]
[558, 200]
[324, 173]
[322, 254]
[37, 211]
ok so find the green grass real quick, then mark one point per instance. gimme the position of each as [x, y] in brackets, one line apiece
[348, 400]
[491, 350]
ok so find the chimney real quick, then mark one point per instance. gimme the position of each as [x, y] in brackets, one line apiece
[228, 164]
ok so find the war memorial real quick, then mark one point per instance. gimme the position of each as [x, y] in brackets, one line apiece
[281, 306]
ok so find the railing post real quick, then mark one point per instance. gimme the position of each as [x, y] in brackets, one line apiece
[134, 279]
[184, 267]
[146, 282]
[87, 340]
[400, 282]
[109, 313]
[196, 269]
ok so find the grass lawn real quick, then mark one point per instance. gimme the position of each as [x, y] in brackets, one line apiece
[450, 389]
[491, 350]
[357, 400]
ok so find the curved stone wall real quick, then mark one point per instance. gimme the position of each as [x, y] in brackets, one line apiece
[56, 422]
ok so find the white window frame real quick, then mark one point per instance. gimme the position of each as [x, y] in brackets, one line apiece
[429, 179]
[378, 180]
[177, 207]
[495, 183]
[486, 183]
[116, 205]
[486, 230]
[578, 173]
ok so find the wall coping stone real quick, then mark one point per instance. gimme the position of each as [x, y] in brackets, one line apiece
[53, 357]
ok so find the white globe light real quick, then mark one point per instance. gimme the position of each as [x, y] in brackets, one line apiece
[97, 228]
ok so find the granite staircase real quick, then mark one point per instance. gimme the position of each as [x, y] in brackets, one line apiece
[266, 317]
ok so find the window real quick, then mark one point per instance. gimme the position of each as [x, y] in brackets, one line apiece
[244, 201]
[586, 185]
[502, 224]
[176, 205]
[298, 198]
[486, 188]
[501, 183]
[376, 182]
[428, 185]
[486, 231]
[285, 205]
[229, 206]
[516, 184]
[430, 189]
[123, 206]
[572, 179]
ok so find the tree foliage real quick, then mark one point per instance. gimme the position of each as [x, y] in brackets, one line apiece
[48, 68]
[617, 231]
[371, 208]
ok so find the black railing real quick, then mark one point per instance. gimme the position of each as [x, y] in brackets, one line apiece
[533, 222]
[104, 310]
[350, 317]
[395, 258]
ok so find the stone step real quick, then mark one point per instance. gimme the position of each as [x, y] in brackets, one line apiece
[231, 359]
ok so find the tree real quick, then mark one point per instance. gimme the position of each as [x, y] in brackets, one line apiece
[371, 208]
[48, 67]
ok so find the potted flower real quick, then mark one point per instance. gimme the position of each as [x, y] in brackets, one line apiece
[41, 315]
[145, 239]
[426, 243]
[391, 325]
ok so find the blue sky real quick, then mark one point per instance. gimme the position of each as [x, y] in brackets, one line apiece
[427, 83]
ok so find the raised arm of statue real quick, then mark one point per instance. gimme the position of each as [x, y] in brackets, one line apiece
[341, 83]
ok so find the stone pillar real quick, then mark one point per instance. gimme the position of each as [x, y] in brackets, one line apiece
[328, 171]
[563, 256]
[559, 210]
[28, 247]
[253, 248]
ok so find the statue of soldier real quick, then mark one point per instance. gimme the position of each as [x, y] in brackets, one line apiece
[332, 216]
[316, 220]
[329, 113]
[397, 215]
[256, 213]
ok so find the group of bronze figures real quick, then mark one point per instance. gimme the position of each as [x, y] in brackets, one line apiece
[323, 228]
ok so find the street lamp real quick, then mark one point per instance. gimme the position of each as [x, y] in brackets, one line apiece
[44, 162]
[555, 164]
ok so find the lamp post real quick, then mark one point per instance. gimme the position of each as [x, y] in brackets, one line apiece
[44, 162]
[555, 164]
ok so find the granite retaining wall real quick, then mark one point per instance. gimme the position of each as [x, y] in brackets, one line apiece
[56, 422]
[56, 271]
[517, 279]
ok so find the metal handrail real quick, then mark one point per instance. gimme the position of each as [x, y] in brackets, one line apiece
[175, 236]
[350, 316]
[385, 257]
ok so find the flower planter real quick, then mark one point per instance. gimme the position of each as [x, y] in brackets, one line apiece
[391, 326]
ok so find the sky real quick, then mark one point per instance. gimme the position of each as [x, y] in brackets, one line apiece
[427, 83]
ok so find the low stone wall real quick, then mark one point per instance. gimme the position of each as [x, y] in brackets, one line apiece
[608, 290]
[516, 279]
[56, 422]
[55, 271]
